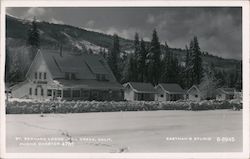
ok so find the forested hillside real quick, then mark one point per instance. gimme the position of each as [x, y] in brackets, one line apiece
[130, 60]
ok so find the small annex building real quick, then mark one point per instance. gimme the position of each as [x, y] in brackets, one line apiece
[225, 93]
[169, 92]
[195, 94]
[136, 91]
[62, 75]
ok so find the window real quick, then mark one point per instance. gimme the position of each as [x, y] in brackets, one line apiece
[101, 77]
[35, 75]
[196, 96]
[70, 76]
[30, 91]
[76, 93]
[98, 76]
[94, 94]
[36, 91]
[85, 93]
[49, 92]
[59, 93]
[40, 75]
[67, 75]
[45, 75]
[73, 76]
[66, 93]
[162, 95]
[41, 91]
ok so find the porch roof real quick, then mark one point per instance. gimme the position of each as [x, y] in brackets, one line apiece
[90, 84]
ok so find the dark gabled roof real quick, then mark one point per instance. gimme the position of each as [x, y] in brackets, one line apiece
[229, 91]
[85, 66]
[195, 87]
[171, 87]
[141, 87]
[90, 84]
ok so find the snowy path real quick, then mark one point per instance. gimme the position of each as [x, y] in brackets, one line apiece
[126, 132]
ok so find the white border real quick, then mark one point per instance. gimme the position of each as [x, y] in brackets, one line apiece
[148, 3]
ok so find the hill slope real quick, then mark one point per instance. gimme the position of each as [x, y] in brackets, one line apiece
[80, 40]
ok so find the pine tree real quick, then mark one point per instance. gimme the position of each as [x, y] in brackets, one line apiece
[7, 65]
[154, 64]
[136, 46]
[131, 69]
[135, 58]
[170, 67]
[141, 61]
[165, 64]
[33, 39]
[114, 57]
[196, 61]
[188, 74]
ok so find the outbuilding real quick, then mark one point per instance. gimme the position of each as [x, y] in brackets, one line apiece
[194, 94]
[136, 91]
[169, 92]
[225, 93]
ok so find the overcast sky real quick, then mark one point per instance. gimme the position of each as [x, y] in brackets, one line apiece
[219, 30]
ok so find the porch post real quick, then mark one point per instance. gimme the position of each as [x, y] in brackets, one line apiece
[61, 93]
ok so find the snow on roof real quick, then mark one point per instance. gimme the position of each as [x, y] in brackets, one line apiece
[141, 87]
[85, 66]
[172, 87]
[226, 90]
[90, 84]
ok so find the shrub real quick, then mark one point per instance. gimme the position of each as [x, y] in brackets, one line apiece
[27, 107]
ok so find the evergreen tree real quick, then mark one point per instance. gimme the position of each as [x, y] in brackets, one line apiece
[33, 39]
[238, 84]
[196, 61]
[7, 66]
[154, 63]
[187, 72]
[166, 64]
[131, 69]
[135, 58]
[114, 57]
[170, 67]
[136, 46]
[141, 61]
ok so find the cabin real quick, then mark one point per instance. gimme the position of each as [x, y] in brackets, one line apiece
[195, 94]
[169, 92]
[225, 94]
[136, 91]
[64, 76]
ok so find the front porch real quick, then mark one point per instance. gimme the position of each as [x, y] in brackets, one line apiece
[86, 94]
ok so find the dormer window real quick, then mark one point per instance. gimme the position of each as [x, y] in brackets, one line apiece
[45, 75]
[70, 76]
[101, 77]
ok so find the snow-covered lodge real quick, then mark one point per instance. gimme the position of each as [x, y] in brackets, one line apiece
[60, 75]
[136, 91]
[169, 92]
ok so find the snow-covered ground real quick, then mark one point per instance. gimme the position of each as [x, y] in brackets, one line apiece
[145, 131]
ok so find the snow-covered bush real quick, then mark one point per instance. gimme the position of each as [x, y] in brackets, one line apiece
[29, 107]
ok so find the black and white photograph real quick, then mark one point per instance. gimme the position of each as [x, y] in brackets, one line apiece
[125, 79]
